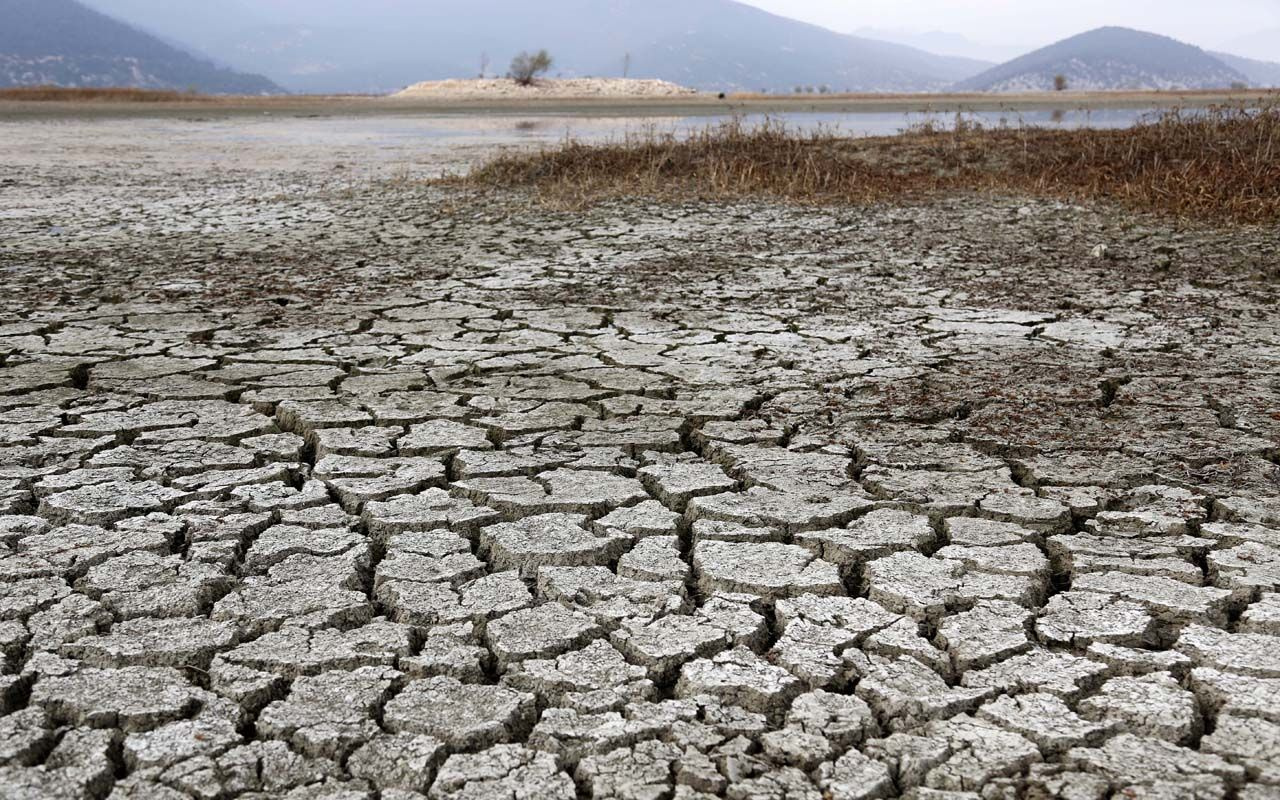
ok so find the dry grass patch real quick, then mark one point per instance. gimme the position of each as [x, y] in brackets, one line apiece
[1222, 164]
[47, 94]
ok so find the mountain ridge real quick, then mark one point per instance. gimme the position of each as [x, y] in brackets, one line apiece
[1109, 58]
[720, 45]
[1264, 74]
[64, 43]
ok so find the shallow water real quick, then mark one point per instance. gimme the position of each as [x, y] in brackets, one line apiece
[859, 124]
[515, 129]
[422, 145]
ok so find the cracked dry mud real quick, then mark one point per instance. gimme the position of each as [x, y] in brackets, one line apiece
[363, 489]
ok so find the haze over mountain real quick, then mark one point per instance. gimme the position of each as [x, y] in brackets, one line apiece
[719, 45]
[1110, 59]
[1261, 45]
[946, 43]
[1259, 73]
[382, 45]
[61, 42]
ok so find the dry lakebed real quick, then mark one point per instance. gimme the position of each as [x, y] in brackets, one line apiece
[321, 480]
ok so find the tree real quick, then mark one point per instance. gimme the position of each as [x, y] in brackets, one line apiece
[626, 66]
[1059, 83]
[525, 67]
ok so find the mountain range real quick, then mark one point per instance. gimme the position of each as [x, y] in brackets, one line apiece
[61, 42]
[382, 45]
[378, 46]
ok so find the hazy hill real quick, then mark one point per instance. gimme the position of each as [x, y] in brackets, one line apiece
[382, 45]
[1109, 58]
[61, 42]
[1259, 73]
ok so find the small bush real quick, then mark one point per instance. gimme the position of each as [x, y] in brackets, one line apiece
[1059, 83]
[526, 67]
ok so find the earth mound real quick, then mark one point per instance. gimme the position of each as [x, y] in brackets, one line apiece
[559, 88]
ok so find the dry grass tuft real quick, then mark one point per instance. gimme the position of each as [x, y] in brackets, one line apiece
[1221, 165]
[48, 94]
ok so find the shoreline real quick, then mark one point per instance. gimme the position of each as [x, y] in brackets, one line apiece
[701, 105]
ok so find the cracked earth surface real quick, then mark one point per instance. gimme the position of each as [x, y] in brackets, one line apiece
[354, 488]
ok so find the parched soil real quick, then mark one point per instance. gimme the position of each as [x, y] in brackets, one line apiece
[322, 482]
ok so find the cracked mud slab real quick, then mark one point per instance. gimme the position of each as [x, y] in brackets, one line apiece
[321, 485]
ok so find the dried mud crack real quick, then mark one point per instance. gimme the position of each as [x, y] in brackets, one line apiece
[359, 489]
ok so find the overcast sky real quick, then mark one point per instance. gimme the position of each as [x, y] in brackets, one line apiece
[1207, 23]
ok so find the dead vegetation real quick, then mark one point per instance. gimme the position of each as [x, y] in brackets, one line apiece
[1221, 164]
[61, 94]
